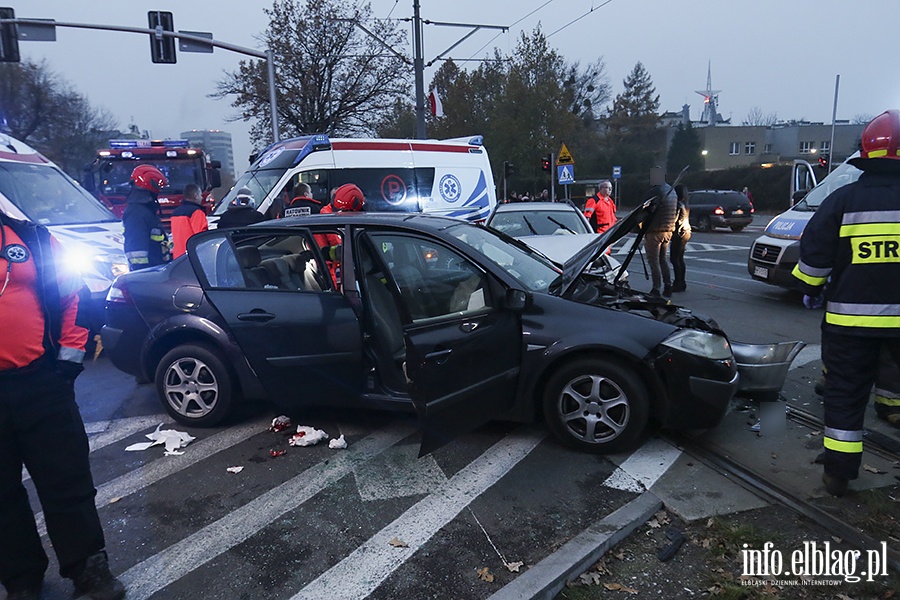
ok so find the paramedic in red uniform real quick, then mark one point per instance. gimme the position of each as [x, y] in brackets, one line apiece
[600, 209]
[41, 352]
[346, 198]
[854, 239]
[189, 218]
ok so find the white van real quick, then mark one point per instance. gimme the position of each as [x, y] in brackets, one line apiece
[33, 188]
[774, 254]
[447, 177]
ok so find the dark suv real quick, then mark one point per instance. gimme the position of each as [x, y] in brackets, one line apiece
[720, 208]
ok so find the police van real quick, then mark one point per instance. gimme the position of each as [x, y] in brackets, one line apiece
[774, 254]
[447, 177]
[33, 188]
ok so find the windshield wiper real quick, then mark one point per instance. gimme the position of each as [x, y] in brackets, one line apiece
[557, 223]
[530, 226]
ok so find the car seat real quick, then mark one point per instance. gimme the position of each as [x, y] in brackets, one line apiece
[248, 258]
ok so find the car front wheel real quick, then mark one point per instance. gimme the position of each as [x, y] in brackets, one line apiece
[596, 405]
[194, 385]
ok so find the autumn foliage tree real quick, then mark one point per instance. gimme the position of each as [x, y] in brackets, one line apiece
[331, 76]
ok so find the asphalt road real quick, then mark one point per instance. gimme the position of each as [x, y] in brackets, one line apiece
[373, 520]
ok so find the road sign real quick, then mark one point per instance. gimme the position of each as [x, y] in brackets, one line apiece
[617, 172]
[565, 174]
[565, 157]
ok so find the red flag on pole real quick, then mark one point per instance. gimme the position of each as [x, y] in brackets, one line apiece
[437, 109]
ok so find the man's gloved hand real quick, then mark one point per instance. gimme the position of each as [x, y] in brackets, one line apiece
[68, 369]
[817, 301]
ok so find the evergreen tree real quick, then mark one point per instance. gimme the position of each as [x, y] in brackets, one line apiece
[684, 151]
[632, 124]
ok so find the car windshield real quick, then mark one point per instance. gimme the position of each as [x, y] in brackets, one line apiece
[48, 197]
[259, 182]
[531, 270]
[113, 178]
[841, 176]
[521, 223]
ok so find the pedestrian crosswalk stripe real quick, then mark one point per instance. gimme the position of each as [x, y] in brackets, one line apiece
[167, 566]
[367, 567]
[104, 433]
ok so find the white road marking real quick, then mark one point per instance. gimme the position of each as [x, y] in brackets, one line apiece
[364, 569]
[104, 433]
[152, 472]
[156, 572]
[644, 467]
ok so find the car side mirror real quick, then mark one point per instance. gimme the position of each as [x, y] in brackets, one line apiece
[517, 300]
[799, 195]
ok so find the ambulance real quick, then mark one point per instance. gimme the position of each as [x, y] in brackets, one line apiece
[33, 188]
[774, 254]
[447, 177]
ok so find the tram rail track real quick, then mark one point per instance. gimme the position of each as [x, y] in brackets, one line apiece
[722, 462]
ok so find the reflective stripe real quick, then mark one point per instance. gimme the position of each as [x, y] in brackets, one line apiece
[870, 229]
[886, 400]
[845, 447]
[70, 354]
[862, 321]
[871, 216]
[814, 271]
[879, 153]
[844, 435]
[807, 279]
[854, 308]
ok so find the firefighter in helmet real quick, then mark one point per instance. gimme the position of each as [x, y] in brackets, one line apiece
[146, 242]
[346, 198]
[853, 239]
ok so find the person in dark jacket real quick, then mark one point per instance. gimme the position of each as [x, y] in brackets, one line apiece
[146, 242]
[680, 237]
[187, 219]
[41, 352]
[303, 204]
[659, 232]
[852, 243]
[242, 211]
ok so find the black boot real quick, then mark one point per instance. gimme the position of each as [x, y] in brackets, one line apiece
[97, 582]
[836, 486]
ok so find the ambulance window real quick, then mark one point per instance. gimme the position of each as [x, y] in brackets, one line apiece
[318, 183]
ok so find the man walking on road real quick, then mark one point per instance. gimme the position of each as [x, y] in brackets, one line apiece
[854, 238]
[41, 351]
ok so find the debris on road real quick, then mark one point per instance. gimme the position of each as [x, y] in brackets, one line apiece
[276, 453]
[234, 469]
[173, 440]
[338, 443]
[307, 436]
[280, 423]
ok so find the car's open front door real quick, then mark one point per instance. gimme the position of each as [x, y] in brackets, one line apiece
[463, 349]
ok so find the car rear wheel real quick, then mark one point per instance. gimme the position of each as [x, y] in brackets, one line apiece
[596, 405]
[703, 224]
[194, 385]
[736, 228]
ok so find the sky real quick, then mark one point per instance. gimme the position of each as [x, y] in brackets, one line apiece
[781, 57]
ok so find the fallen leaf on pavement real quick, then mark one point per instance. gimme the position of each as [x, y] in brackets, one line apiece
[398, 543]
[514, 566]
[618, 587]
[592, 578]
[484, 574]
[872, 469]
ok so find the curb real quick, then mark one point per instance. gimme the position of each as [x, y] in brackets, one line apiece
[545, 579]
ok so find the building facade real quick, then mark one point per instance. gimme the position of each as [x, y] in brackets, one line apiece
[217, 145]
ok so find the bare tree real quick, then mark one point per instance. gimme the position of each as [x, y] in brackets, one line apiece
[862, 119]
[332, 77]
[40, 108]
[756, 117]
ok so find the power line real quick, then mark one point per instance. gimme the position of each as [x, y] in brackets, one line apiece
[593, 8]
[511, 25]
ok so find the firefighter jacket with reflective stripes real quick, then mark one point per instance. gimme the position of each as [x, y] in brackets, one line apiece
[146, 243]
[187, 219]
[39, 307]
[852, 243]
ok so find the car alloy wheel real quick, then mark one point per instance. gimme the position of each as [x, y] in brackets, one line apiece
[596, 405]
[194, 385]
[703, 224]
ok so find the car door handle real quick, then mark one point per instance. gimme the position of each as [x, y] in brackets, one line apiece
[256, 315]
[439, 356]
[469, 326]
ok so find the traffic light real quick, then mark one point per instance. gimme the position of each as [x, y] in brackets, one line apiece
[823, 161]
[545, 162]
[162, 48]
[509, 169]
[9, 39]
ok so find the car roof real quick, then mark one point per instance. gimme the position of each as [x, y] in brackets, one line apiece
[535, 206]
[415, 220]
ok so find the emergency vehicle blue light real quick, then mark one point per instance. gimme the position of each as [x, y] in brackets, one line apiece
[148, 143]
[478, 140]
[315, 143]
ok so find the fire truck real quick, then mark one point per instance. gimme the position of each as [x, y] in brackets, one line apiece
[108, 177]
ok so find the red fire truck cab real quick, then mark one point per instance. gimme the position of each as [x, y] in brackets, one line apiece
[108, 177]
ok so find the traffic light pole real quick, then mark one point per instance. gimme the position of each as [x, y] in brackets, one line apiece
[177, 35]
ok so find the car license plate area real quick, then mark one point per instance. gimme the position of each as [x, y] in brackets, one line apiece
[761, 272]
[739, 211]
